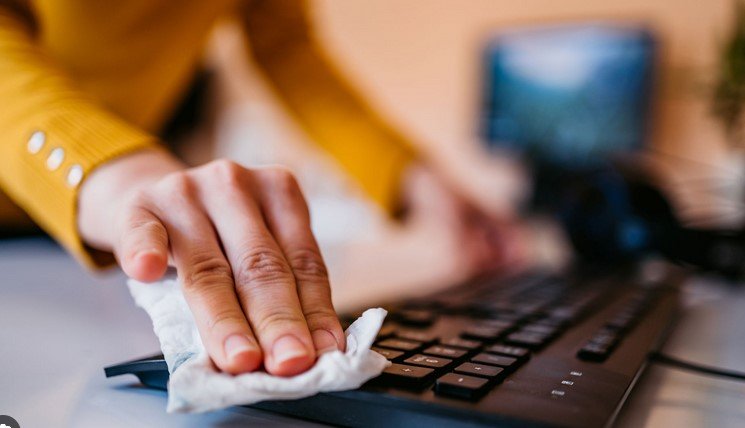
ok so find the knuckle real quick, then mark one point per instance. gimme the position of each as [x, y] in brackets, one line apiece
[225, 317]
[178, 184]
[279, 318]
[321, 317]
[262, 266]
[139, 198]
[282, 178]
[206, 270]
[307, 265]
[228, 172]
[149, 227]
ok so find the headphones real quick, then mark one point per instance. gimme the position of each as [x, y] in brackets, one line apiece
[614, 214]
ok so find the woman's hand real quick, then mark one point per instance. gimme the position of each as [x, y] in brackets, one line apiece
[473, 241]
[241, 242]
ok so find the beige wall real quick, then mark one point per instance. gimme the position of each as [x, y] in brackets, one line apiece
[418, 60]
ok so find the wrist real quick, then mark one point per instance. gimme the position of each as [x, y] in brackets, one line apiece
[109, 185]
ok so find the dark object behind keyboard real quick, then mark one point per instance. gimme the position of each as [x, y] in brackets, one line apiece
[533, 350]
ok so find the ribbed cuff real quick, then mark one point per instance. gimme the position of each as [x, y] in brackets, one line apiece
[88, 137]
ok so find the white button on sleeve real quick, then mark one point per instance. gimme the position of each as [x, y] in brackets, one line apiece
[55, 159]
[36, 142]
[74, 175]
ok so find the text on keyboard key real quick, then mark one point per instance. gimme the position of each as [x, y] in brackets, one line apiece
[399, 344]
[428, 361]
[389, 354]
[495, 360]
[481, 370]
[461, 343]
[405, 376]
[445, 351]
[461, 386]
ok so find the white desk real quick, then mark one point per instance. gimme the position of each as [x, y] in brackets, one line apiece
[60, 327]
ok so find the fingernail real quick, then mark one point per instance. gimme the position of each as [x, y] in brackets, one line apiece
[324, 341]
[288, 348]
[237, 344]
[147, 252]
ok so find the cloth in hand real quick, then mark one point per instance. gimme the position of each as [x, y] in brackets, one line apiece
[195, 384]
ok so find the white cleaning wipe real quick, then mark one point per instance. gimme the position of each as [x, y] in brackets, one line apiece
[195, 385]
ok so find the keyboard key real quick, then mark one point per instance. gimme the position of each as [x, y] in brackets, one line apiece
[497, 323]
[445, 351]
[386, 331]
[604, 339]
[415, 317]
[428, 361]
[540, 328]
[405, 376]
[481, 370]
[496, 360]
[593, 352]
[620, 323]
[417, 336]
[389, 354]
[557, 323]
[461, 386]
[461, 343]
[483, 333]
[521, 354]
[527, 340]
[400, 344]
[506, 316]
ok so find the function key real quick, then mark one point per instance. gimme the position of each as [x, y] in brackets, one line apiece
[461, 343]
[399, 344]
[461, 386]
[428, 361]
[481, 370]
[510, 351]
[496, 360]
[389, 354]
[405, 376]
[445, 351]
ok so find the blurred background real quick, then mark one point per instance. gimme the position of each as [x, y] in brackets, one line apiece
[428, 66]
[517, 102]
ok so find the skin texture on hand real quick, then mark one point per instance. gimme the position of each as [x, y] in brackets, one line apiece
[241, 242]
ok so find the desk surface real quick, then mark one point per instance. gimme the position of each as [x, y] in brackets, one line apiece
[61, 326]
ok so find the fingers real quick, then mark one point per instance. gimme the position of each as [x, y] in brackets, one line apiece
[208, 286]
[263, 278]
[143, 247]
[287, 216]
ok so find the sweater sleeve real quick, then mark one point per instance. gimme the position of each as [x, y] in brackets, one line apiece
[51, 135]
[326, 105]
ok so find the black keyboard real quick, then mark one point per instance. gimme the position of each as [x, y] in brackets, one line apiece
[529, 350]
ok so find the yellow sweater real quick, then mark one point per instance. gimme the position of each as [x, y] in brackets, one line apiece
[85, 81]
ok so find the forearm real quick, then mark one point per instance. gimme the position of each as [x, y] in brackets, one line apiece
[333, 113]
